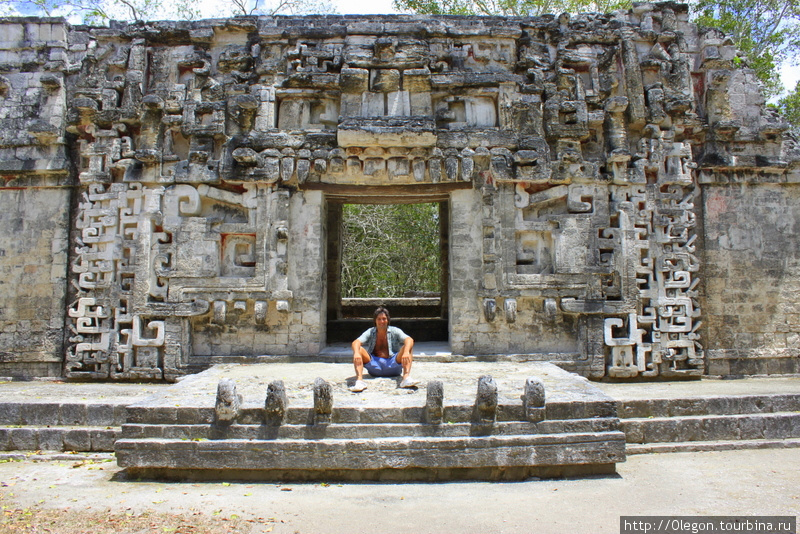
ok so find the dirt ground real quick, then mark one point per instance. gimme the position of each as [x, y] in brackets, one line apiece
[74, 494]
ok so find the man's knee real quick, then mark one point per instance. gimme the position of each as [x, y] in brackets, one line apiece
[361, 357]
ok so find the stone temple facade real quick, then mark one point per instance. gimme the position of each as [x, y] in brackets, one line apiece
[615, 197]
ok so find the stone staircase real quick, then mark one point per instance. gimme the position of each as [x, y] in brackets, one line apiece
[363, 439]
[710, 423]
[371, 444]
[60, 426]
[465, 425]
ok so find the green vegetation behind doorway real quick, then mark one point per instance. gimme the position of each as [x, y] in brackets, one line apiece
[390, 250]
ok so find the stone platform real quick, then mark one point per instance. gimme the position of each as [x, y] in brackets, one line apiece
[439, 431]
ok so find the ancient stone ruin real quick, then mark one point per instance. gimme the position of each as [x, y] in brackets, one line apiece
[615, 197]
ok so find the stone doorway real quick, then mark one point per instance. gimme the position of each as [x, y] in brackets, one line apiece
[424, 315]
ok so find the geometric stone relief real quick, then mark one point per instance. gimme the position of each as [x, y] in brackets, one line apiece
[148, 256]
[202, 158]
[578, 135]
[643, 269]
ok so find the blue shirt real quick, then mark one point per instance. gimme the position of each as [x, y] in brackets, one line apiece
[394, 335]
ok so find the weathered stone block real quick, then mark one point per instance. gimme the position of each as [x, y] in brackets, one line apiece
[72, 414]
[102, 440]
[77, 440]
[22, 439]
[50, 439]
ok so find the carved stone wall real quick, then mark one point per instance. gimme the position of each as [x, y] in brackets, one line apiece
[599, 172]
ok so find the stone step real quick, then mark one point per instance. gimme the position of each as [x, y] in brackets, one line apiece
[718, 445]
[287, 422]
[63, 413]
[774, 425]
[254, 415]
[708, 405]
[58, 438]
[363, 431]
[280, 458]
[60, 426]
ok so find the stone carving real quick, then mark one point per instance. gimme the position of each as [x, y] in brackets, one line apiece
[486, 401]
[276, 403]
[185, 212]
[323, 401]
[533, 400]
[570, 150]
[228, 402]
[434, 403]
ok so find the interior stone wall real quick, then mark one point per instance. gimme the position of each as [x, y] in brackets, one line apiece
[620, 201]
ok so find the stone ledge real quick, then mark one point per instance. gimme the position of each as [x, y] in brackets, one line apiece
[377, 475]
[703, 446]
[363, 454]
[779, 425]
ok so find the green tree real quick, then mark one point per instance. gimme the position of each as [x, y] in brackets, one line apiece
[390, 250]
[789, 106]
[280, 7]
[767, 32]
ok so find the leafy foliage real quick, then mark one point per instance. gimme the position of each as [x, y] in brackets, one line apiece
[389, 250]
[507, 7]
[766, 31]
[789, 106]
[280, 7]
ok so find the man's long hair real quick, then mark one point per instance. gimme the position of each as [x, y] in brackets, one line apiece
[379, 310]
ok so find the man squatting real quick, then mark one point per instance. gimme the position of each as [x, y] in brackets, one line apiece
[383, 350]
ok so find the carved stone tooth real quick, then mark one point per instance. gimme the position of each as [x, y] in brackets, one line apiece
[510, 306]
[323, 402]
[486, 401]
[435, 170]
[533, 400]
[418, 166]
[228, 402]
[451, 168]
[489, 309]
[467, 166]
[434, 403]
[260, 309]
[303, 167]
[220, 311]
[276, 403]
[287, 168]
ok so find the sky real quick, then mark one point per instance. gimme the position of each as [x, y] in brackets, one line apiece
[364, 7]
